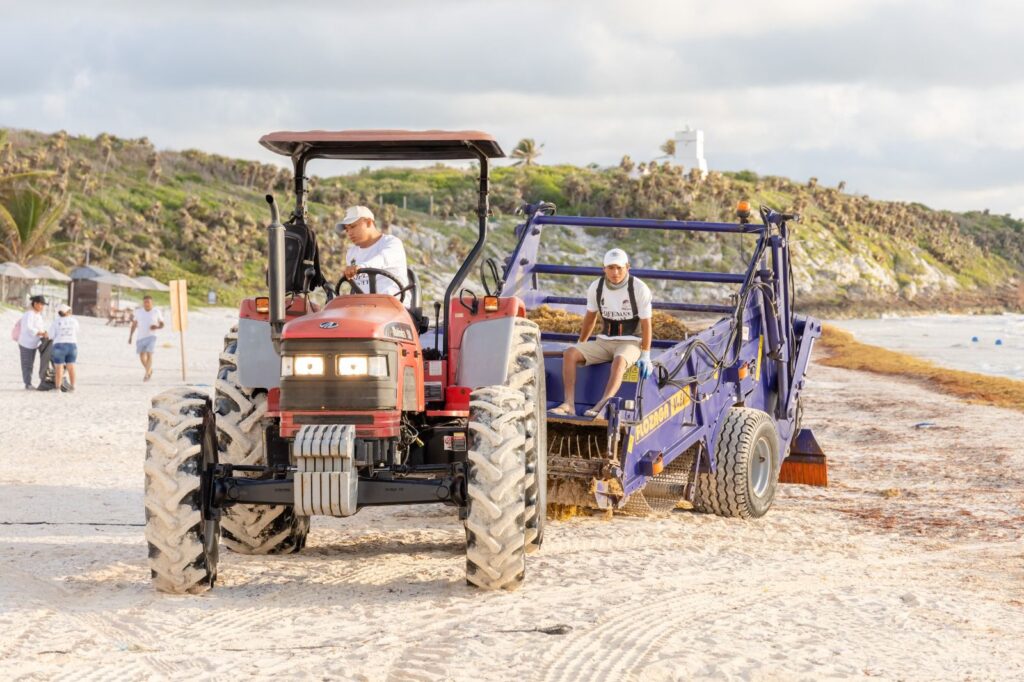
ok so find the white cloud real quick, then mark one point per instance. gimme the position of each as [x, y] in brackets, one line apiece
[54, 105]
[81, 81]
[672, 19]
[903, 99]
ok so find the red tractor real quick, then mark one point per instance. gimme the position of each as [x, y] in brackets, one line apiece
[360, 402]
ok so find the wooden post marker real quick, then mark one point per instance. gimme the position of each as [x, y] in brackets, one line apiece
[179, 315]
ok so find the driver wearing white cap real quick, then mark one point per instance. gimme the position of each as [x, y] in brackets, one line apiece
[371, 248]
[625, 306]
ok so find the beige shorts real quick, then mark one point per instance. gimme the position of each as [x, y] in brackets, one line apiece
[604, 350]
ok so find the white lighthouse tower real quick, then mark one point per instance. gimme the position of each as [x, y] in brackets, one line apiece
[690, 150]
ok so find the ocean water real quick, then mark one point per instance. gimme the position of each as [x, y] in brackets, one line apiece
[987, 344]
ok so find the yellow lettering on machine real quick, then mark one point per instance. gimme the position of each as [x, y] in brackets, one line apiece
[659, 415]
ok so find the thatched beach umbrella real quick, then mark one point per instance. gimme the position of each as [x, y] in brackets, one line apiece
[118, 281]
[13, 270]
[48, 274]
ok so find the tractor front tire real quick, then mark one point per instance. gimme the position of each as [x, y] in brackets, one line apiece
[526, 375]
[180, 447]
[748, 462]
[249, 528]
[496, 489]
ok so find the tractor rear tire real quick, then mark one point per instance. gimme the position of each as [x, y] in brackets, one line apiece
[496, 489]
[526, 374]
[183, 545]
[249, 528]
[747, 475]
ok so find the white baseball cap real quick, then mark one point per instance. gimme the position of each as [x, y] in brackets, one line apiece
[616, 257]
[354, 213]
[64, 308]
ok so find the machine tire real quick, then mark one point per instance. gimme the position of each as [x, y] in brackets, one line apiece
[183, 545]
[495, 489]
[748, 458]
[526, 374]
[249, 528]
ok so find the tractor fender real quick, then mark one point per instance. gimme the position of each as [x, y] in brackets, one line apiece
[259, 365]
[483, 357]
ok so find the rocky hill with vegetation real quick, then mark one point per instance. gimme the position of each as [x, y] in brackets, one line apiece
[190, 214]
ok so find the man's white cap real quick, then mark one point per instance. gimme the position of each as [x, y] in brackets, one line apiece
[354, 213]
[64, 308]
[616, 257]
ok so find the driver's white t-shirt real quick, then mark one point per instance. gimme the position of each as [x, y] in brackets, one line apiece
[387, 253]
[614, 304]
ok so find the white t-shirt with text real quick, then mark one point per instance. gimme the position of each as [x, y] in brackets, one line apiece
[146, 319]
[31, 324]
[615, 305]
[64, 330]
[387, 253]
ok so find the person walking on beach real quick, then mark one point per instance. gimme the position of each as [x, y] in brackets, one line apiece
[31, 334]
[147, 320]
[64, 334]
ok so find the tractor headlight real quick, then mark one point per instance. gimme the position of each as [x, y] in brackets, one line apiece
[303, 365]
[362, 365]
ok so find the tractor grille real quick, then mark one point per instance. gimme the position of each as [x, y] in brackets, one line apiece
[332, 392]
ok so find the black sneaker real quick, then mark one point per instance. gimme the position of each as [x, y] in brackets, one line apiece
[29, 387]
[67, 389]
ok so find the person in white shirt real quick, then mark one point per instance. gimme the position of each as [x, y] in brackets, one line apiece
[147, 320]
[33, 331]
[371, 248]
[625, 304]
[64, 333]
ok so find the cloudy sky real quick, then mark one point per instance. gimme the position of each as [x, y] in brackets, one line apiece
[917, 101]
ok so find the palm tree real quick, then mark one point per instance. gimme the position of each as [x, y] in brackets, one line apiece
[154, 168]
[669, 147]
[11, 179]
[526, 152]
[107, 147]
[28, 221]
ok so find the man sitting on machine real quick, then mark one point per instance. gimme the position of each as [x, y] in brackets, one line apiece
[625, 305]
[371, 248]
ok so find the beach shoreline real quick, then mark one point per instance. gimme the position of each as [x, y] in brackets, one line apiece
[990, 345]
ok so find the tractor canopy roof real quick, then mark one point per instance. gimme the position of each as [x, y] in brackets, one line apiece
[384, 145]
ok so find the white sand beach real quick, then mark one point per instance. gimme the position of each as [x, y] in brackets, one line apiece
[910, 566]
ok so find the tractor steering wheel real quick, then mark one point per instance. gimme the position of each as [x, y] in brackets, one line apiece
[356, 289]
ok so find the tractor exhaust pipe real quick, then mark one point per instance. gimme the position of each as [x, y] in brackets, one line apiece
[275, 269]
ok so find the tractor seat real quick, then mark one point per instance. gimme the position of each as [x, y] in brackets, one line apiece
[419, 320]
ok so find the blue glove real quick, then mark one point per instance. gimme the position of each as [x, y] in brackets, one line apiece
[644, 364]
